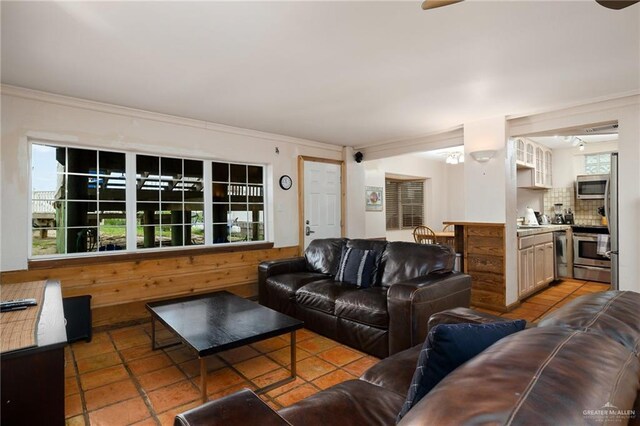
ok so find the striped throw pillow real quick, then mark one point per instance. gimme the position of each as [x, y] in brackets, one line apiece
[356, 267]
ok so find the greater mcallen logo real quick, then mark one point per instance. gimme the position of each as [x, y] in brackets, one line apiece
[609, 412]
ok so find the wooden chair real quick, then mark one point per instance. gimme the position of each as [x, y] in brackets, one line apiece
[448, 228]
[424, 235]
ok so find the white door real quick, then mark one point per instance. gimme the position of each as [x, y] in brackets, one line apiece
[322, 212]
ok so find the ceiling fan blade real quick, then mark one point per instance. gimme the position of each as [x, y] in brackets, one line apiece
[610, 4]
[432, 4]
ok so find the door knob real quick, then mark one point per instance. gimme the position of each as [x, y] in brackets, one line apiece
[308, 231]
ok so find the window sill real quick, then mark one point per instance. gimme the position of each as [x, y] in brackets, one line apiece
[138, 256]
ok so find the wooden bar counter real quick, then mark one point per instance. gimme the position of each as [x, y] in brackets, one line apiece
[483, 257]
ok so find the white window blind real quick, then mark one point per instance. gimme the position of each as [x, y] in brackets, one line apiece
[405, 203]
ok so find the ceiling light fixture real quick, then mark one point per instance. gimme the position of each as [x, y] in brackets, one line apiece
[581, 146]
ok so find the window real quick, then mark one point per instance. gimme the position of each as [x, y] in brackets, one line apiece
[596, 164]
[170, 202]
[405, 203]
[79, 201]
[238, 202]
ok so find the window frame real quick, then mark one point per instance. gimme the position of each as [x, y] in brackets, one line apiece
[131, 205]
[399, 206]
[599, 163]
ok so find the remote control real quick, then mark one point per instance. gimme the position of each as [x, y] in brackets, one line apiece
[17, 302]
[12, 308]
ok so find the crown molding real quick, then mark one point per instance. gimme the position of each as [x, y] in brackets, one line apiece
[428, 142]
[68, 101]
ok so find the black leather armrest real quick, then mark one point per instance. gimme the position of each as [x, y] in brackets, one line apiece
[463, 315]
[277, 267]
[411, 304]
[241, 408]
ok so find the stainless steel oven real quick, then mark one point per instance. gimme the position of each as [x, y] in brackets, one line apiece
[587, 263]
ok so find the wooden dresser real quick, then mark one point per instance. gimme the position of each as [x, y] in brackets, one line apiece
[483, 257]
[32, 379]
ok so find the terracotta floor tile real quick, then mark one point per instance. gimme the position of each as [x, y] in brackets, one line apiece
[304, 334]
[271, 377]
[173, 395]
[159, 378]
[555, 292]
[274, 405]
[582, 291]
[127, 332]
[332, 378]
[570, 284]
[255, 367]
[109, 394]
[562, 289]
[357, 368]
[228, 391]
[145, 365]
[122, 413]
[271, 345]
[85, 350]
[72, 405]
[101, 336]
[296, 395]
[69, 370]
[340, 355]
[75, 421]
[516, 316]
[130, 342]
[181, 354]
[316, 344]
[240, 354]
[532, 307]
[102, 377]
[192, 368]
[541, 301]
[313, 367]
[299, 381]
[220, 379]
[146, 422]
[167, 418]
[98, 361]
[283, 356]
[137, 352]
[71, 386]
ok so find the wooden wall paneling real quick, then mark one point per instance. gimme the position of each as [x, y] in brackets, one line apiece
[125, 286]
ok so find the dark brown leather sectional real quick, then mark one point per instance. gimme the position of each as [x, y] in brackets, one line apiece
[580, 365]
[412, 282]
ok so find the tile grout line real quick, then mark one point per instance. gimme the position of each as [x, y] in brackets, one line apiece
[83, 403]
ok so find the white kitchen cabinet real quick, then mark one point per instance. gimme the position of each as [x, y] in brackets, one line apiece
[539, 176]
[529, 154]
[525, 154]
[547, 163]
[520, 152]
[535, 263]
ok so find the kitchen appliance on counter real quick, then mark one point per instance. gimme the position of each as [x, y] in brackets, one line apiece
[558, 218]
[530, 218]
[568, 217]
[588, 264]
[591, 187]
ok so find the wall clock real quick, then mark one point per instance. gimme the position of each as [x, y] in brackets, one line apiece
[285, 182]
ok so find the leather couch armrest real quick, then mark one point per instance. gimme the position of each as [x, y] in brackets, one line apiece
[277, 267]
[463, 315]
[241, 408]
[411, 303]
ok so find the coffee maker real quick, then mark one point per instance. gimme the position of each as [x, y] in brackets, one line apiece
[558, 218]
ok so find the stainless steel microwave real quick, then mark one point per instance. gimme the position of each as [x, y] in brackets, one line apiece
[591, 187]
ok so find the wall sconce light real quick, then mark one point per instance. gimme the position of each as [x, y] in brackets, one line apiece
[483, 156]
[581, 146]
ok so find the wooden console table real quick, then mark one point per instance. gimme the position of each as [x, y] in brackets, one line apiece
[32, 381]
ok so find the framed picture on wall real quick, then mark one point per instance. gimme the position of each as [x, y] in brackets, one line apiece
[373, 198]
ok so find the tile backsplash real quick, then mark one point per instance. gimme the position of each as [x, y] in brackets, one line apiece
[584, 211]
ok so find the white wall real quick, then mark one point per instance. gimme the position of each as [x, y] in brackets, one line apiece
[34, 114]
[437, 192]
[569, 162]
[530, 198]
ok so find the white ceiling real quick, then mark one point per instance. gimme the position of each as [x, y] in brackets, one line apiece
[561, 142]
[348, 73]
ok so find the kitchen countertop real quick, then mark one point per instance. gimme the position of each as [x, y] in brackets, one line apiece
[525, 231]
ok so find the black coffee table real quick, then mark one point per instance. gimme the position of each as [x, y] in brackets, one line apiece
[217, 322]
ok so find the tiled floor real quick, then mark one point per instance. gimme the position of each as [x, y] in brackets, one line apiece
[551, 299]
[117, 379]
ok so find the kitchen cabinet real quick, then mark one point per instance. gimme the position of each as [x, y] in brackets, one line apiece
[524, 153]
[535, 263]
[538, 173]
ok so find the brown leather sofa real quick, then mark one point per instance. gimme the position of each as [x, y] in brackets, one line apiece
[571, 369]
[412, 282]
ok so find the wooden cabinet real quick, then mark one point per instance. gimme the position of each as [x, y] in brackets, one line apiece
[535, 263]
[534, 163]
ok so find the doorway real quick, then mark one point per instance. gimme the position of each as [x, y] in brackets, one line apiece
[320, 199]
